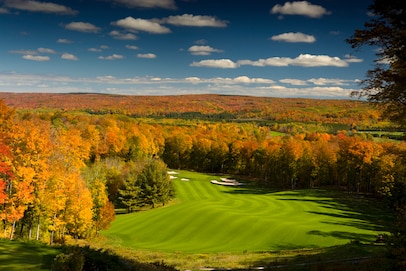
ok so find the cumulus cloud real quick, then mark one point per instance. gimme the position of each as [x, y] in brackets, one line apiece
[150, 85]
[4, 11]
[122, 36]
[138, 24]
[68, 56]
[95, 50]
[195, 20]
[294, 37]
[34, 52]
[46, 51]
[203, 50]
[294, 82]
[248, 80]
[226, 80]
[83, 27]
[149, 55]
[303, 8]
[166, 4]
[329, 81]
[66, 41]
[36, 58]
[111, 57]
[132, 47]
[35, 6]
[216, 63]
[352, 59]
[24, 52]
[303, 60]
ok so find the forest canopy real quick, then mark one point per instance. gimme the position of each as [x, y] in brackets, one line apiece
[64, 172]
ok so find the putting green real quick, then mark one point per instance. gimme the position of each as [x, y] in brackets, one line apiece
[214, 218]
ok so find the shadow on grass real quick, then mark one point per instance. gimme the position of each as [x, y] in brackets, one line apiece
[351, 210]
[16, 255]
[360, 237]
[350, 257]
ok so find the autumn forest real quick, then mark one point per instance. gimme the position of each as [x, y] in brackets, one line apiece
[69, 160]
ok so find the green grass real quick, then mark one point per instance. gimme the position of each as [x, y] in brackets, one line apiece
[18, 256]
[209, 218]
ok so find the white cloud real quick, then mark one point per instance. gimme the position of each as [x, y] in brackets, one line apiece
[133, 24]
[37, 58]
[193, 79]
[24, 52]
[35, 6]
[295, 82]
[122, 36]
[46, 51]
[68, 56]
[66, 41]
[111, 57]
[307, 60]
[203, 50]
[303, 60]
[247, 80]
[95, 50]
[132, 47]
[4, 11]
[294, 37]
[150, 85]
[195, 20]
[216, 63]
[353, 59]
[300, 8]
[83, 27]
[34, 52]
[151, 56]
[328, 81]
[166, 4]
[229, 81]
[272, 61]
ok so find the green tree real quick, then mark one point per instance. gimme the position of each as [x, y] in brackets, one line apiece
[386, 83]
[156, 185]
[129, 193]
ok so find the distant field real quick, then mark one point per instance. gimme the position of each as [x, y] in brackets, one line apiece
[213, 218]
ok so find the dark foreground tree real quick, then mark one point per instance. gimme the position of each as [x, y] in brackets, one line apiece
[386, 83]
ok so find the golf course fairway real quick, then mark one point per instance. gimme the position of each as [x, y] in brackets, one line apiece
[206, 218]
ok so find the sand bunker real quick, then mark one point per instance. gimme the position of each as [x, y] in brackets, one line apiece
[226, 182]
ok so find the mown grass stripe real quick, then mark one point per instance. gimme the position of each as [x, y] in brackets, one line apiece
[214, 218]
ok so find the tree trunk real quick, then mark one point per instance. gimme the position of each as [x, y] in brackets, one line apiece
[38, 228]
[12, 230]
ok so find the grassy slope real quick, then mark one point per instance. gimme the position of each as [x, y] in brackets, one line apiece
[213, 218]
[15, 255]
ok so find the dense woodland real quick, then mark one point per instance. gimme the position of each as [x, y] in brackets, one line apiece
[62, 172]
[210, 107]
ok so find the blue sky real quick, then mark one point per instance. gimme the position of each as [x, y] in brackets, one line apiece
[270, 48]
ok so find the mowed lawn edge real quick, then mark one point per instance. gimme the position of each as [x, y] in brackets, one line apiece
[210, 218]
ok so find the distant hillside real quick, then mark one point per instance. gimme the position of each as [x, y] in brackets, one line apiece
[200, 106]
